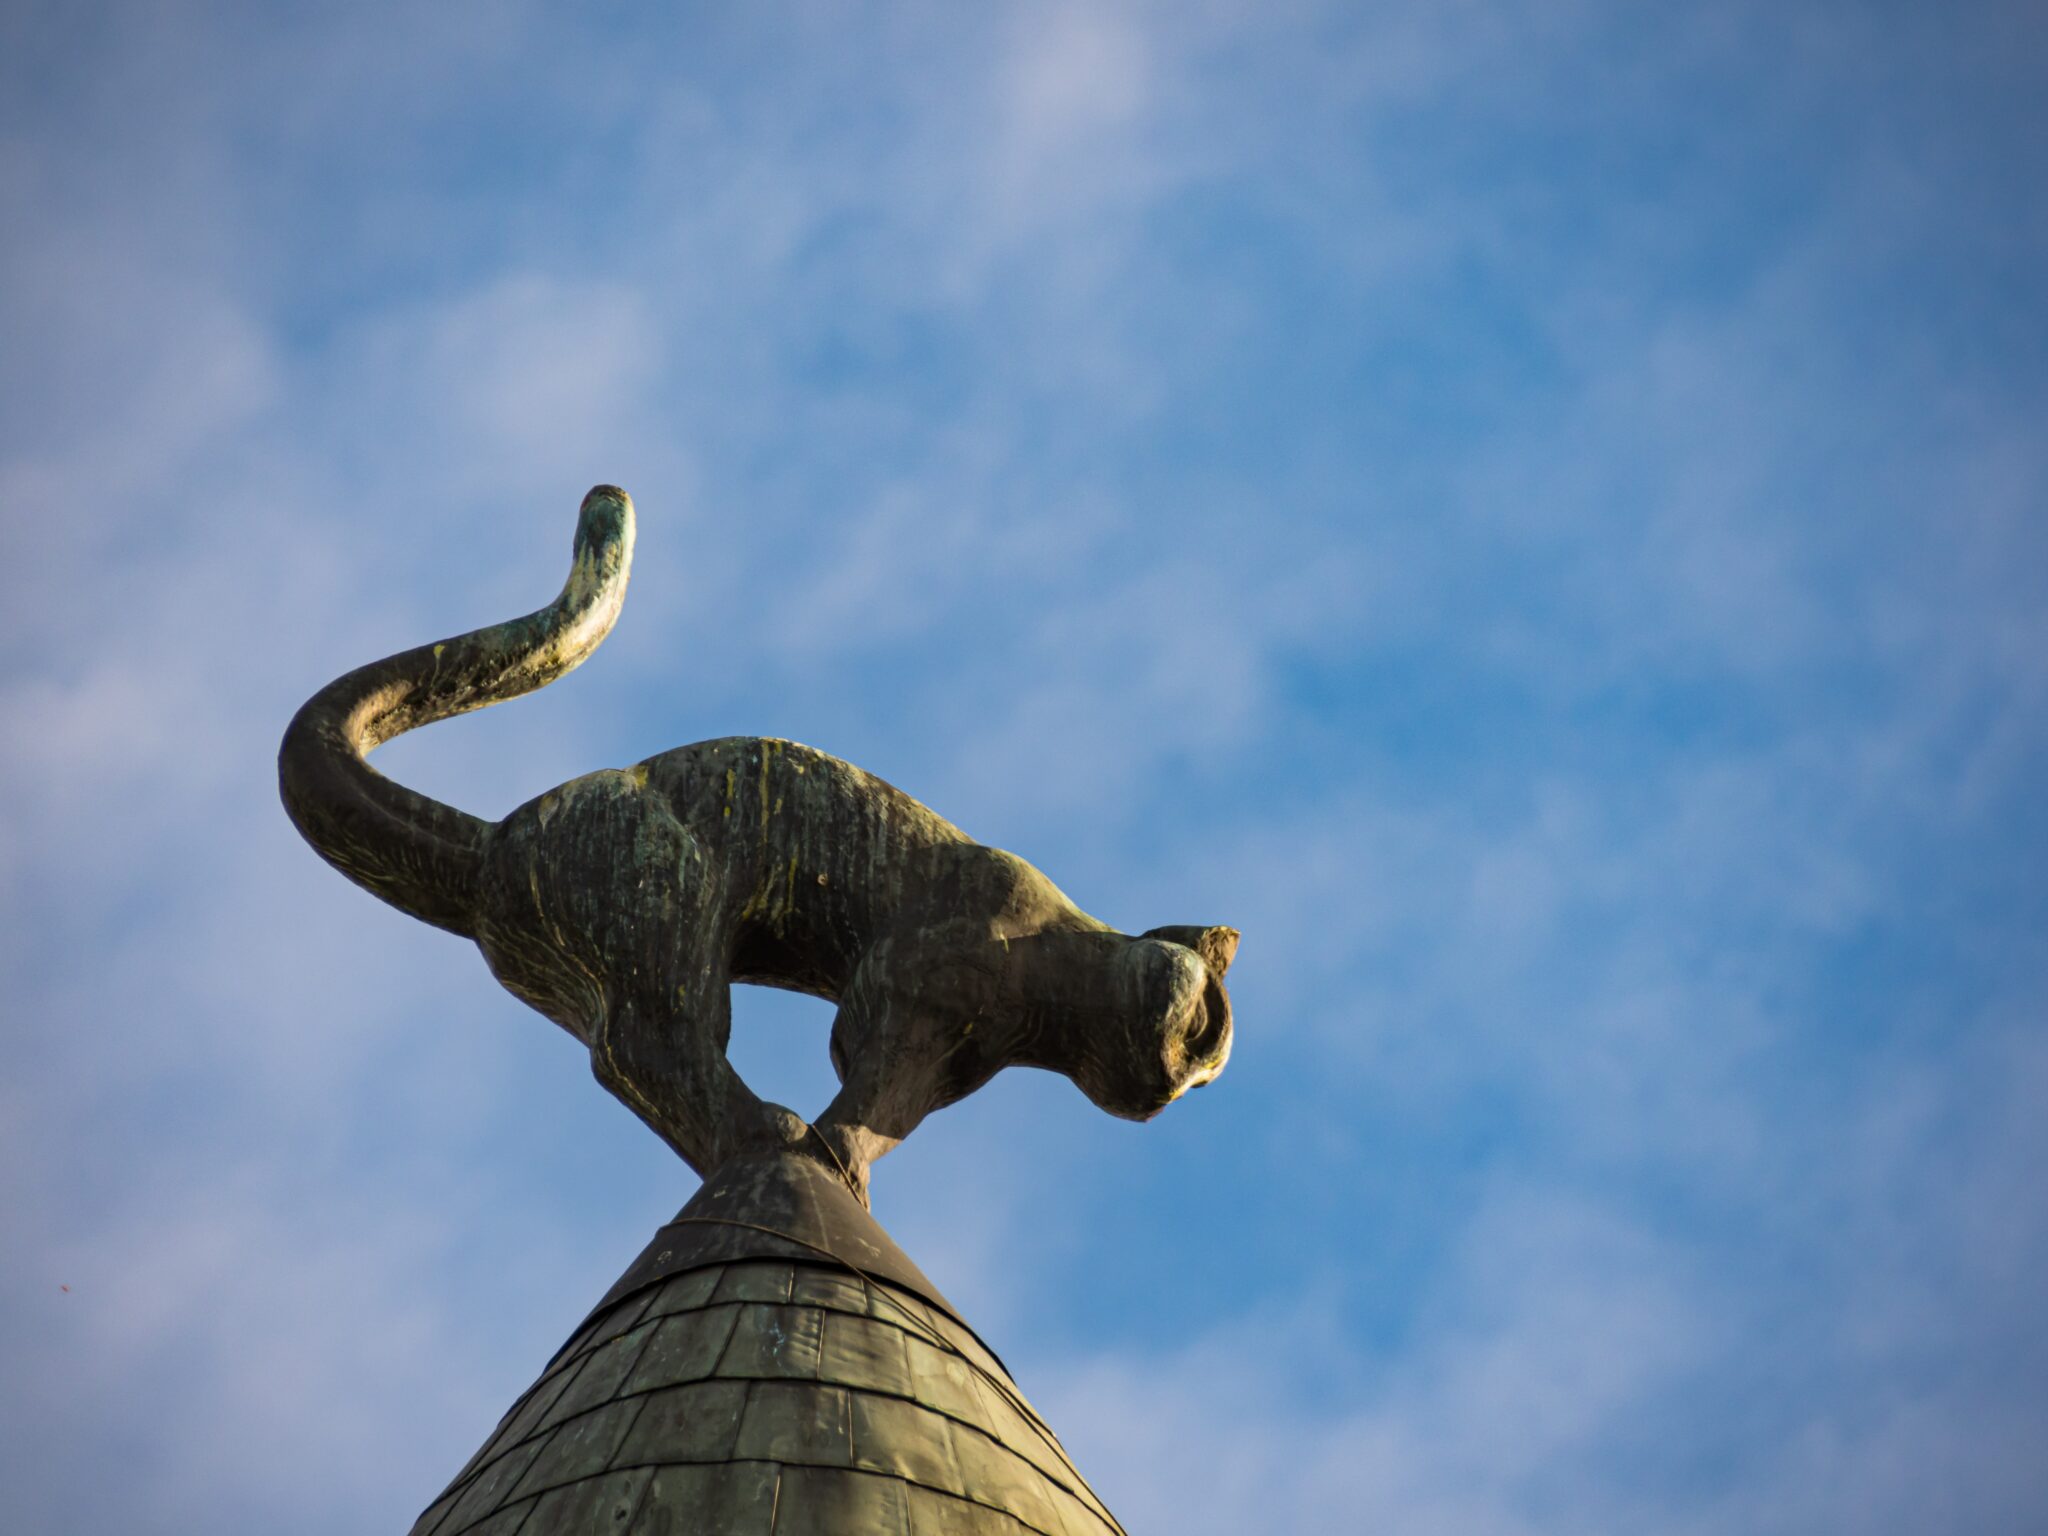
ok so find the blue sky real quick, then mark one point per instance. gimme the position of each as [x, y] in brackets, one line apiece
[1534, 513]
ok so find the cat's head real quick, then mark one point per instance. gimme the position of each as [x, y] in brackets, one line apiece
[1175, 1016]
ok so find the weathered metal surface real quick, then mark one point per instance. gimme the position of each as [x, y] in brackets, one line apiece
[624, 904]
[759, 1396]
[772, 1363]
[775, 1206]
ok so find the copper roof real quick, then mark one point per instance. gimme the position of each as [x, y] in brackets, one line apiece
[772, 1365]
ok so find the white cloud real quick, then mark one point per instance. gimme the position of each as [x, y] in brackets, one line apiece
[1568, 1323]
[246, 1351]
[520, 383]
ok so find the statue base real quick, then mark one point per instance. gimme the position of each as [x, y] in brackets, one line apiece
[771, 1365]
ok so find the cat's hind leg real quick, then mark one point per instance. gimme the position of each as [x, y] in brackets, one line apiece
[660, 1050]
[601, 889]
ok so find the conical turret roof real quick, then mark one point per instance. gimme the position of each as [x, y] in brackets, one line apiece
[771, 1365]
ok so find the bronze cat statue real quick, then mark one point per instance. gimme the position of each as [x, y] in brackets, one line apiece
[624, 904]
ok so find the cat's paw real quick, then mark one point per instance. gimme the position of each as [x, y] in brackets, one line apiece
[764, 1127]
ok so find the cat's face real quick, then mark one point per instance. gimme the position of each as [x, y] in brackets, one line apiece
[1176, 1020]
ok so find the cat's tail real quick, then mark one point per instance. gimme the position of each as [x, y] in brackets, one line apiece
[416, 853]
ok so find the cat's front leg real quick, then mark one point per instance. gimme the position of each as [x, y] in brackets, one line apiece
[920, 1025]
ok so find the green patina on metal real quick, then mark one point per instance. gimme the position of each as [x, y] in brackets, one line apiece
[623, 905]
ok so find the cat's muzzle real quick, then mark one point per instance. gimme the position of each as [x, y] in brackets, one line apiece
[1172, 1032]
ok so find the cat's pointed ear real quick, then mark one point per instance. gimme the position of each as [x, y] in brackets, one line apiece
[1216, 946]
